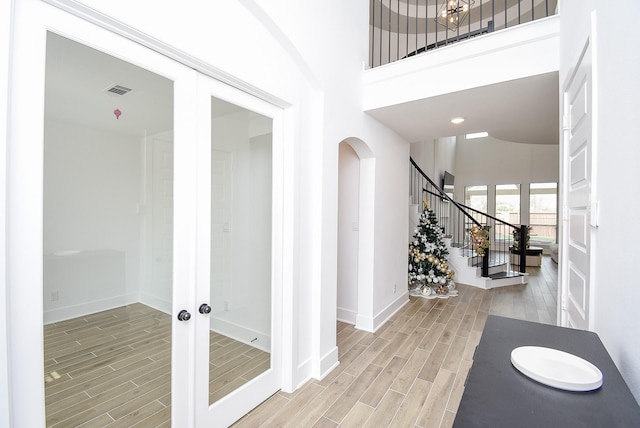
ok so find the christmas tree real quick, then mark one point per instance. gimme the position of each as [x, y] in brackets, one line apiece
[429, 272]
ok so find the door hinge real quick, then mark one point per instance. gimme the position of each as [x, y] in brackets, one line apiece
[564, 302]
[565, 122]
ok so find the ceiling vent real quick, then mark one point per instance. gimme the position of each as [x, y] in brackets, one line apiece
[118, 90]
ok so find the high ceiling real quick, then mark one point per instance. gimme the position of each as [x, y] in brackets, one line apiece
[77, 79]
[522, 111]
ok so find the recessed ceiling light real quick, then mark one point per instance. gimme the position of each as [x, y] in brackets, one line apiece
[457, 120]
[476, 135]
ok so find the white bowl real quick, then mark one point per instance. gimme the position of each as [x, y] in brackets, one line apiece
[556, 368]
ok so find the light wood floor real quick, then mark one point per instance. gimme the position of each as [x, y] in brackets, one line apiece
[109, 369]
[411, 372]
[113, 368]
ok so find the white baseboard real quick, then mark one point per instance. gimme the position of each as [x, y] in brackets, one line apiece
[371, 324]
[326, 364]
[304, 368]
[241, 334]
[69, 312]
[346, 315]
[152, 301]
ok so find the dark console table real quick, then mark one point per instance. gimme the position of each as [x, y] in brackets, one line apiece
[498, 395]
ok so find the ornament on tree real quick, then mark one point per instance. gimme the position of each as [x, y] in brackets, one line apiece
[429, 272]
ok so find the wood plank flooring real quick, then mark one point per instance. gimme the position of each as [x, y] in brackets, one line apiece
[113, 368]
[411, 372]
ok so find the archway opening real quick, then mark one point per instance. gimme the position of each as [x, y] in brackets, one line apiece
[356, 184]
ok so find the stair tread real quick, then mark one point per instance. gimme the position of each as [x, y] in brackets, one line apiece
[510, 274]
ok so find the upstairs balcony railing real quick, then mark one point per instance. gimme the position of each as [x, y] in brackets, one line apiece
[404, 28]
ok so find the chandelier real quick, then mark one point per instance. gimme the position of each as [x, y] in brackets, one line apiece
[452, 13]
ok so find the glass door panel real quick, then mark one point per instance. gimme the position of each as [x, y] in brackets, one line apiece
[236, 318]
[240, 337]
[108, 238]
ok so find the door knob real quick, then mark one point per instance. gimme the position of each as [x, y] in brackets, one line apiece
[184, 315]
[204, 309]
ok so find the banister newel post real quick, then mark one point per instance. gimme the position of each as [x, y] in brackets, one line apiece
[523, 248]
[485, 263]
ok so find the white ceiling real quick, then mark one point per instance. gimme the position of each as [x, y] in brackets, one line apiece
[77, 77]
[522, 111]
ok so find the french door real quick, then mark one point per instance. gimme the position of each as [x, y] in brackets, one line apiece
[226, 163]
[238, 348]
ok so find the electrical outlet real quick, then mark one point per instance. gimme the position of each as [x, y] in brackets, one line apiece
[394, 288]
[54, 296]
[226, 306]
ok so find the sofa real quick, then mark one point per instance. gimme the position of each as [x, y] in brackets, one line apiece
[553, 252]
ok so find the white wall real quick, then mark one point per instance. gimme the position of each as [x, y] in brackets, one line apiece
[92, 187]
[490, 161]
[337, 59]
[445, 158]
[391, 225]
[423, 153]
[616, 97]
[435, 157]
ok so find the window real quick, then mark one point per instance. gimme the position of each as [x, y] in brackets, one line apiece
[543, 202]
[476, 198]
[508, 203]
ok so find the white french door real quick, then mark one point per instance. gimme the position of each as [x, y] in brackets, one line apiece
[238, 342]
[230, 299]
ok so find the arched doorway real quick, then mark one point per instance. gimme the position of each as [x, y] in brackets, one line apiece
[356, 185]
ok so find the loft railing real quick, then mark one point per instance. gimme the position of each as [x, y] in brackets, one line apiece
[457, 220]
[400, 29]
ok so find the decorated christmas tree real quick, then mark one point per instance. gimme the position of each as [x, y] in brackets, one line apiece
[429, 272]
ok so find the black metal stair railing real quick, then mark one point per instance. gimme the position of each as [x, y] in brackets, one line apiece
[400, 29]
[457, 220]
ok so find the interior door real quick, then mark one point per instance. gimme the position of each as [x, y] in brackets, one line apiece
[238, 343]
[34, 21]
[579, 216]
[160, 201]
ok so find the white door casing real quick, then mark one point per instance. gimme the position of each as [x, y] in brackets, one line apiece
[578, 214]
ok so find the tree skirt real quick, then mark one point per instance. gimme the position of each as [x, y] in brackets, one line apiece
[430, 293]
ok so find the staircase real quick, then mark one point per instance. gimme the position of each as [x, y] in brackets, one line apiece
[464, 262]
[491, 270]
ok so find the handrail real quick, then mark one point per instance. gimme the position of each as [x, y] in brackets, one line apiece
[457, 220]
[442, 193]
[437, 44]
[490, 216]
